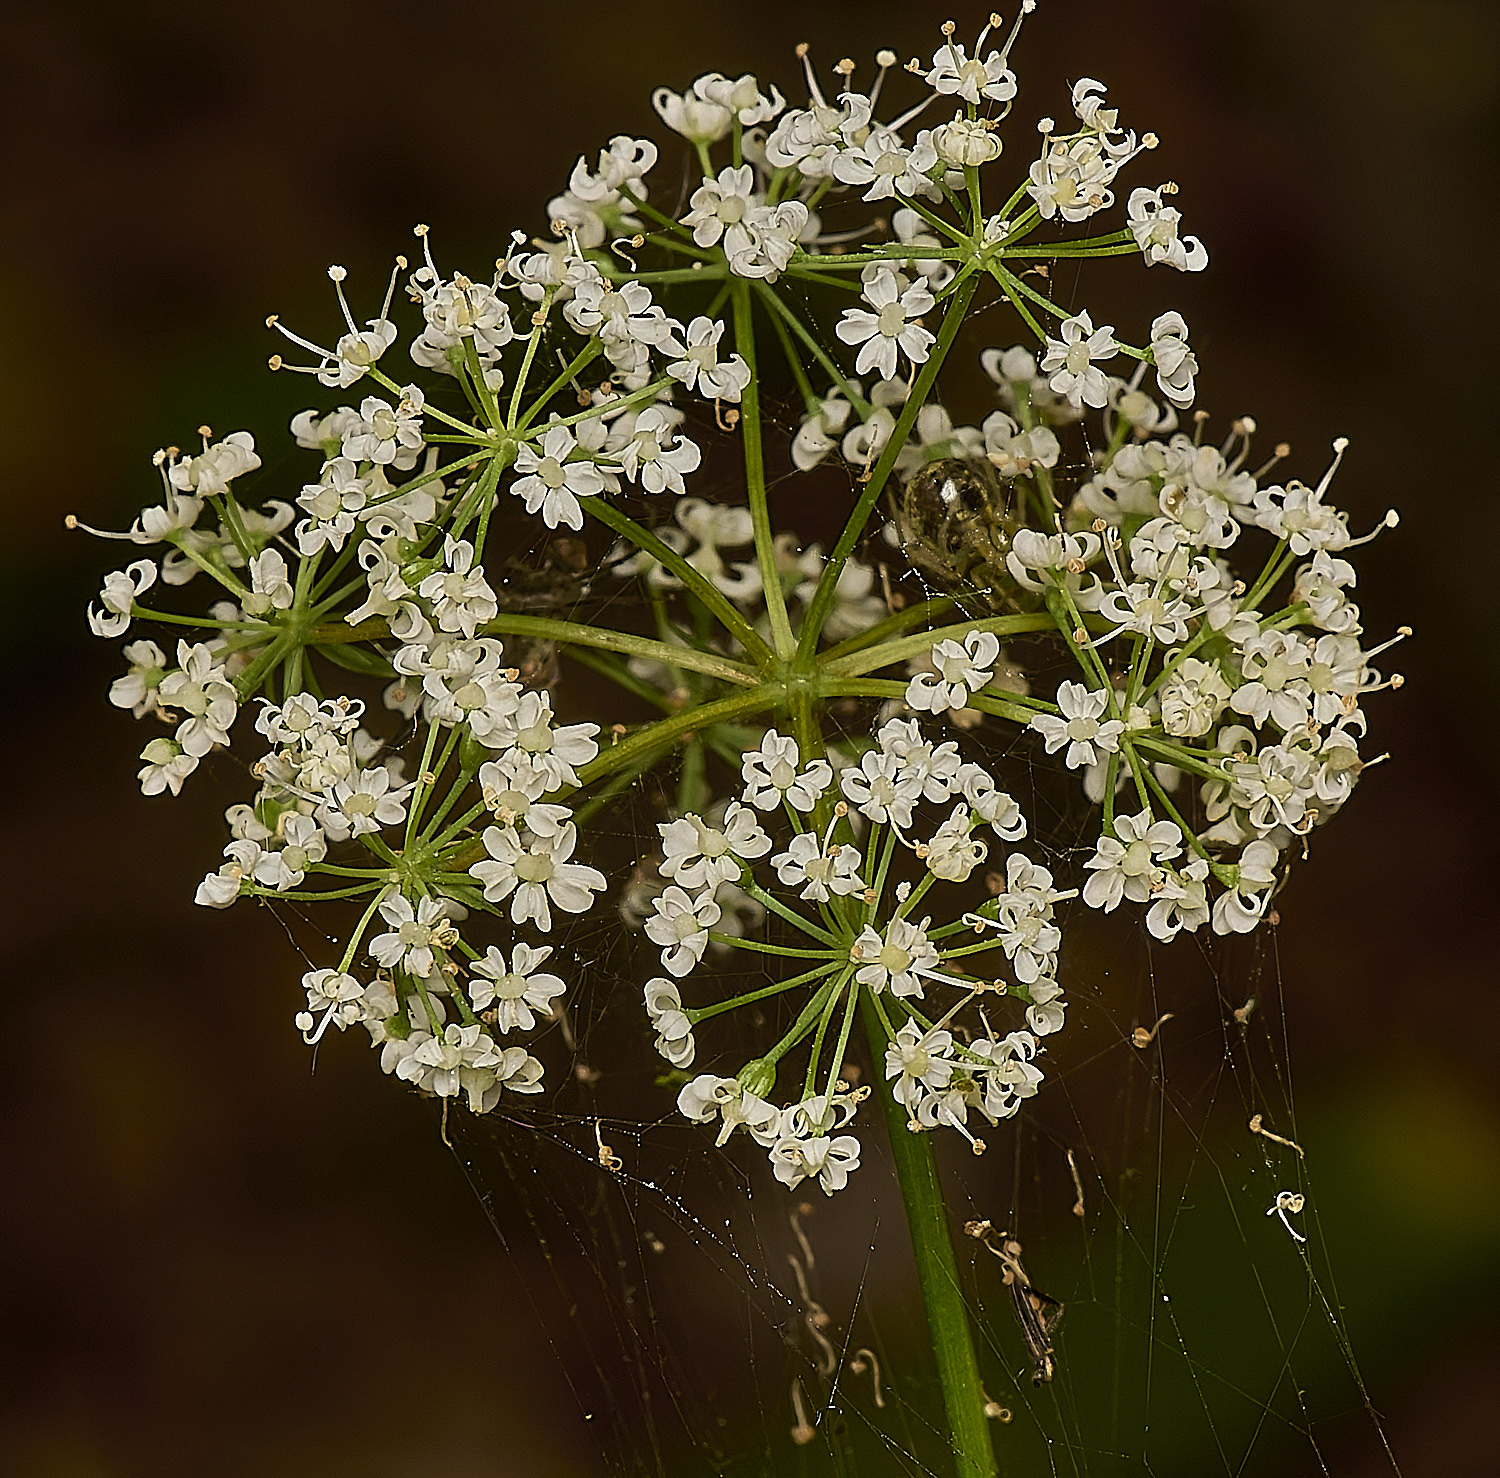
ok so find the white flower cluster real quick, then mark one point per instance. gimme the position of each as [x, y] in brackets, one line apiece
[857, 918]
[562, 389]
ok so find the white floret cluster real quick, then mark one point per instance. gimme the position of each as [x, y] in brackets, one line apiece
[927, 816]
[1214, 715]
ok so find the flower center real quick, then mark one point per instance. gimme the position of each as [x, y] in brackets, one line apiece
[534, 867]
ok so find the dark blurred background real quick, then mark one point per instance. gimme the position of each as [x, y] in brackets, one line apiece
[216, 1263]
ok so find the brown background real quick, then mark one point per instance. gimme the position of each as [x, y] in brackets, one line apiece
[210, 1254]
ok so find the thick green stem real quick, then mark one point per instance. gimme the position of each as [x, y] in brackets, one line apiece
[937, 1274]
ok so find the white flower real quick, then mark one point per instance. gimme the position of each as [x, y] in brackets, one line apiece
[220, 889]
[459, 312]
[674, 1032]
[933, 767]
[515, 990]
[1181, 901]
[619, 313]
[1045, 1013]
[436, 1063]
[888, 167]
[1059, 559]
[1127, 865]
[1014, 451]
[882, 787]
[703, 856]
[137, 689]
[167, 766]
[894, 962]
[1298, 514]
[741, 95]
[891, 326]
[364, 803]
[388, 435]
[1192, 698]
[303, 846]
[1141, 608]
[698, 119]
[538, 872]
[338, 998]
[829, 1158]
[1276, 666]
[332, 504]
[211, 473]
[655, 455]
[464, 683]
[1072, 180]
[762, 244]
[1070, 360]
[461, 597]
[200, 688]
[1239, 910]
[414, 934]
[270, 587]
[956, 74]
[962, 143]
[700, 368]
[1176, 364]
[537, 746]
[916, 1060]
[1323, 587]
[820, 431]
[1023, 915]
[680, 925]
[551, 483]
[1276, 787]
[708, 1096]
[1079, 726]
[1155, 226]
[953, 853]
[770, 773]
[818, 873]
[961, 669]
[993, 806]
[720, 203]
[121, 587]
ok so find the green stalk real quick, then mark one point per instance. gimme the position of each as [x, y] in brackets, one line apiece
[872, 658]
[823, 598]
[755, 474]
[706, 591]
[937, 1273]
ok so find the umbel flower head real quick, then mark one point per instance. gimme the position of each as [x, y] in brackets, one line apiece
[502, 493]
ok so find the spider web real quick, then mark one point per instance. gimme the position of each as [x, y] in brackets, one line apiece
[704, 1319]
[692, 1302]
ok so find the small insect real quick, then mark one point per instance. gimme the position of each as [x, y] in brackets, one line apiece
[954, 524]
[1037, 1313]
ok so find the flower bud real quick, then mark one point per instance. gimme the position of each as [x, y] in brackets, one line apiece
[964, 143]
[758, 1077]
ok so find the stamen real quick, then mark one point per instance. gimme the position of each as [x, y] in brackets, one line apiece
[1027, 6]
[338, 274]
